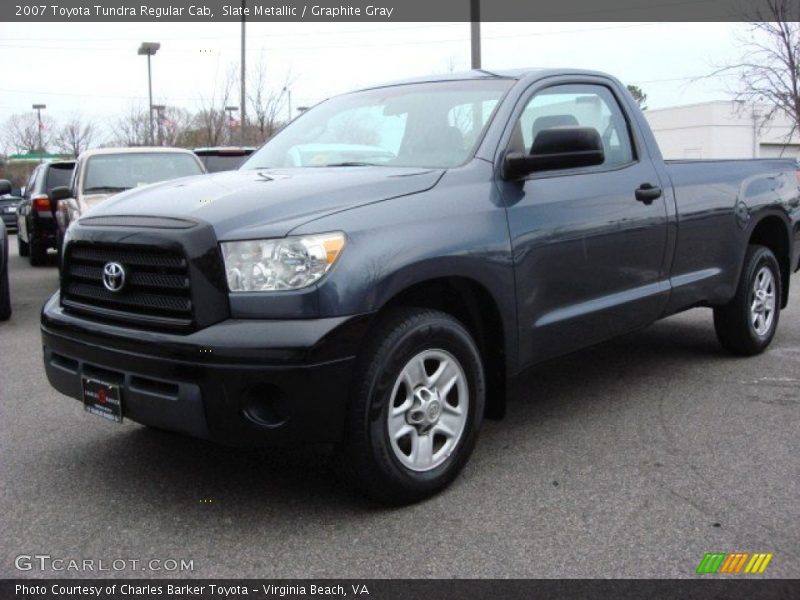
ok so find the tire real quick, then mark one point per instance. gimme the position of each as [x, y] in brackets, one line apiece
[22, 247]
[746, 325]
[442, 424]
[38, 256]
[5, 294]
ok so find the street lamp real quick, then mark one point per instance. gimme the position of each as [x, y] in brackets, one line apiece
[159, 108]
[39, 108]
[149, 49]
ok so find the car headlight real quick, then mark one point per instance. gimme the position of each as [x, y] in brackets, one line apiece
[288, 263]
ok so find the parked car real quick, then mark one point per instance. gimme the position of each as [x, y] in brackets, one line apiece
[35, 220]
[8, 210]
[101, 173]
[5, 293]
[223, 158]
[385, 307]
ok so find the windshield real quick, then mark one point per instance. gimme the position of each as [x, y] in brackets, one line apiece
[117, 172]
[431, 125]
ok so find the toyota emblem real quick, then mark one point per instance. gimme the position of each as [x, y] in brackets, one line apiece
[113, 276]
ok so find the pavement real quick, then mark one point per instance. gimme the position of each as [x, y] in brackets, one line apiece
[630, 459]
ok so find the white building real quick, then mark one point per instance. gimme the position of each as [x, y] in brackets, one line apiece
[722, 129]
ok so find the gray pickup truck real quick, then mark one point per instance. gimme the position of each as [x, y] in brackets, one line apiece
[378, 272]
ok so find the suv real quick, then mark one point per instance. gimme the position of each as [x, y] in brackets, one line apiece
[36, 224]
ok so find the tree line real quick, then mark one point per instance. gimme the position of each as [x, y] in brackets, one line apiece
[210, 125]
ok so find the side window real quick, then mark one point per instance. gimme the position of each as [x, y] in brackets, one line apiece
[577, 106]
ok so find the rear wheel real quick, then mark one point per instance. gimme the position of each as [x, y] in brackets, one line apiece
[747, 324]
[417, 406]
[22, 247]
[38, 255]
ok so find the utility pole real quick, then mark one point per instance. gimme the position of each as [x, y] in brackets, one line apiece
[243, 99]
[39, 108]
[289, 98]
[475, 37]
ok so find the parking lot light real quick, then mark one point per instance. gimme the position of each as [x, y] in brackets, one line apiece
[149, 49]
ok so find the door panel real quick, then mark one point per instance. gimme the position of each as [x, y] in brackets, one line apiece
[589, 257]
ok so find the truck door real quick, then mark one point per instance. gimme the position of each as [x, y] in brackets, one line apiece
[589, 243]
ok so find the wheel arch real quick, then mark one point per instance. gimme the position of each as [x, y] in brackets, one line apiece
[472, 303]
[772, 230]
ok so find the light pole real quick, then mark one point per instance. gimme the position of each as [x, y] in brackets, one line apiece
[289, 95]
[149, 49]
[242, 95]
[159, 108]
[475, 37]
[230, 110]
[39, 108]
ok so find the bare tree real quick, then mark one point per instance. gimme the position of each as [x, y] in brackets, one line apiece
[75, 136]
[266, 106]
[21, 133]
[211, 120]
[173, 125]
[769, 70]
[131, 129]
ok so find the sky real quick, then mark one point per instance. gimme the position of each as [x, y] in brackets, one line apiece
[93, 69]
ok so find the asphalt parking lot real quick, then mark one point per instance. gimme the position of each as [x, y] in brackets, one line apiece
[631, 459]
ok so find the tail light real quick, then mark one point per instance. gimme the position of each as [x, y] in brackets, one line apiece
[41, 203]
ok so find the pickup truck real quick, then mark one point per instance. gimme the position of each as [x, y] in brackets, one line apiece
[383, 303]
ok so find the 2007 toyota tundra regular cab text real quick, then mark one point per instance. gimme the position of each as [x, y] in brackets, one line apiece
[376, 273]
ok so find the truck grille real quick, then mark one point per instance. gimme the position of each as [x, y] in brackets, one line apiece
[156, 290]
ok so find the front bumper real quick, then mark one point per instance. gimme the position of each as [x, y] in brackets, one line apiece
[238, 382]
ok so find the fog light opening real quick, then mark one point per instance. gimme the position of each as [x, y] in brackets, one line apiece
[265, 404]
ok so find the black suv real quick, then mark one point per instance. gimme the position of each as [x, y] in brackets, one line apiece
[36, 224]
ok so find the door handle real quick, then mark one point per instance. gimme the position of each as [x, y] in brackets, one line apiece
[648, 193]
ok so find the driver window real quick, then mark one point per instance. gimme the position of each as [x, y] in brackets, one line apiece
[576, 106]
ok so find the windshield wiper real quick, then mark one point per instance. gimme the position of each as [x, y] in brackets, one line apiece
[105, 188]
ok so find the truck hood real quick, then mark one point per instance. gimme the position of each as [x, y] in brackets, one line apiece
[250, 204]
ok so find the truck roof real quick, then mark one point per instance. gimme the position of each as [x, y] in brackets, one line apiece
[519, 74]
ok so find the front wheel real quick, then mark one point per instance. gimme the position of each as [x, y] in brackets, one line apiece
[747, 324]
[417, 406]
[22, 247]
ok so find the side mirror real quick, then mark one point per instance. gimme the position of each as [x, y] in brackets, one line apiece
[558, 148]
[5, 187]
[57, 194]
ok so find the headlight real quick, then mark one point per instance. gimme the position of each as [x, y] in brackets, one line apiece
[289, 263]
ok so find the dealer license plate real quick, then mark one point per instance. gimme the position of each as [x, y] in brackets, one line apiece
[102, 399]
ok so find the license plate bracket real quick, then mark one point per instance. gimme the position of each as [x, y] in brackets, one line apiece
[102, 399]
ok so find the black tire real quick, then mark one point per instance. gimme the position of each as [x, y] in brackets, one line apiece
[368, 457]
[5, 294]
[22, 247]
[38, 255]
[733, 322]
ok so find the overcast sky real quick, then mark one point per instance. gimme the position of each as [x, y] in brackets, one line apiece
[93, 68]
